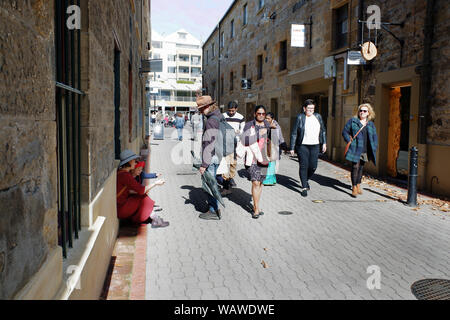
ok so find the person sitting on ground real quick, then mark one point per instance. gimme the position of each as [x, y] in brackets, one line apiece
[138, 208]
[139, 174]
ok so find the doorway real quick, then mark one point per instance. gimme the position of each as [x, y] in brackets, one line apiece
[249, 111]
[274, 107]
[398, 131]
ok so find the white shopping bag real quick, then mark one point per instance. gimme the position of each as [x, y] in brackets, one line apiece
[224, 167]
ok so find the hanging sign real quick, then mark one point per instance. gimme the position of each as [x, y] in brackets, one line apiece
[369, 50]
[298, 35]
[355, 58]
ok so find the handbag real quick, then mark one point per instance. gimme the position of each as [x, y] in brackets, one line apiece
[351, 140]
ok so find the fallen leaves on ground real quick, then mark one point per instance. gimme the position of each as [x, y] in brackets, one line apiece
[264, 264]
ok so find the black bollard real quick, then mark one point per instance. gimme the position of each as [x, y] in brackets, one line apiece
[412, 180]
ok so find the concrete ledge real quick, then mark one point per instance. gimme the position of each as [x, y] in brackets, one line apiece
[46, 282]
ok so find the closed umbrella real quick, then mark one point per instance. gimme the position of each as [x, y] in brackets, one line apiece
[209, 183]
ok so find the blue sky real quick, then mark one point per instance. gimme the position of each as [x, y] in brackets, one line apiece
[198, 17]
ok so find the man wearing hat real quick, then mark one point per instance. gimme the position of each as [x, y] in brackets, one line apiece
[136, 207]
[208, 107]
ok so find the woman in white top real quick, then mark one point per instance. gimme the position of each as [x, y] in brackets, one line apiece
[308, 138]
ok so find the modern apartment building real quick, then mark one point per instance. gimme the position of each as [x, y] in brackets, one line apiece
[174, 88]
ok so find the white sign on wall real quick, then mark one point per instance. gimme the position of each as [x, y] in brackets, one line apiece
[355, 58]
[298, 35]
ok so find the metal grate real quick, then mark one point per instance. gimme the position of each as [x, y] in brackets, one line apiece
[285, 213]
[431, 289]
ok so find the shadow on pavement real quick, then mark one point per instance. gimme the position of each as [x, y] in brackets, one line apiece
[197, 197]
[241, 198]
[332, 183]
[288, 182]
[385, 196]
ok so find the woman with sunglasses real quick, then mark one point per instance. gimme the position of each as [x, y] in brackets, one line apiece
[308, 138]
[360, 131]
[257, 132]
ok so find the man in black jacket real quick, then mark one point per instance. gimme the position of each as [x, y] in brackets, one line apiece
[308, 138]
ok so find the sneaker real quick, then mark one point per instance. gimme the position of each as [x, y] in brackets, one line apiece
[210, 215]
[225, 192]
[159, 223]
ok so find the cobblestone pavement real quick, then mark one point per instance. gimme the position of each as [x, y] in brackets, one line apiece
[321, 251]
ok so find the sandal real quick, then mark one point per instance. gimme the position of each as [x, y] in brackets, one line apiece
[255, 216]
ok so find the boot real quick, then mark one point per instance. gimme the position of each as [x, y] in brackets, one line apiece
[354, 191]
[159, 223]
[358, 187]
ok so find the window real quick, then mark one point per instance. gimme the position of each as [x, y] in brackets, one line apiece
[221, 85]
[232, 29]
[171, 69]
[259, 65]
[195, 60]
[213, 50]
[171, 57]
[183, 69]
[244, 71]
[222, 40]
[283, 56]
[244, 15]
[195, 72]
[207, 56]
[260, 4]
[157, 44]
[231, 80]
[156, 56]
[68, 126]
[340, 27]
[183, 58]
[182, 35]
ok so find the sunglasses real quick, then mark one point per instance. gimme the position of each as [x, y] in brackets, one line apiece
[261, 113]
[364, 111]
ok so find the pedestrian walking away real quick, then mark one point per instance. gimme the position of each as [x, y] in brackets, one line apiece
[277, 144]
[256, 138]
[237, 122]
[133, 202]
[179, 125]
[210, 161]
[362, 141]
[308, 138]
[197, 125]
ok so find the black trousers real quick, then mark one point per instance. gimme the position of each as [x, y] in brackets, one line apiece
[308, 156]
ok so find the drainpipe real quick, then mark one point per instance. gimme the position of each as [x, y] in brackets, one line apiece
[360, 67]
[219, 80]
[425, 75]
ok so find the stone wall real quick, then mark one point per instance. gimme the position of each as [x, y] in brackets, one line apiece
[28, 183]
[29, 168]
[413, 13]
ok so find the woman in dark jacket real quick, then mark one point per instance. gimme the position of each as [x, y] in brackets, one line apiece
[364, 146]
[308, 138]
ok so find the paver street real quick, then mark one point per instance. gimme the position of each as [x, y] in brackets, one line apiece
[320, 251]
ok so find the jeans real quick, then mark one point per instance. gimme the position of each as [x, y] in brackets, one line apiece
[307, 157]
[357, 171]
[180, 133]
[213, 202]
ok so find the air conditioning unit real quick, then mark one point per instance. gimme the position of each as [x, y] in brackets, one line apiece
[246, 84]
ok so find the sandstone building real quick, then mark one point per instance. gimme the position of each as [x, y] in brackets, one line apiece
[406, 82]
[71, 98]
